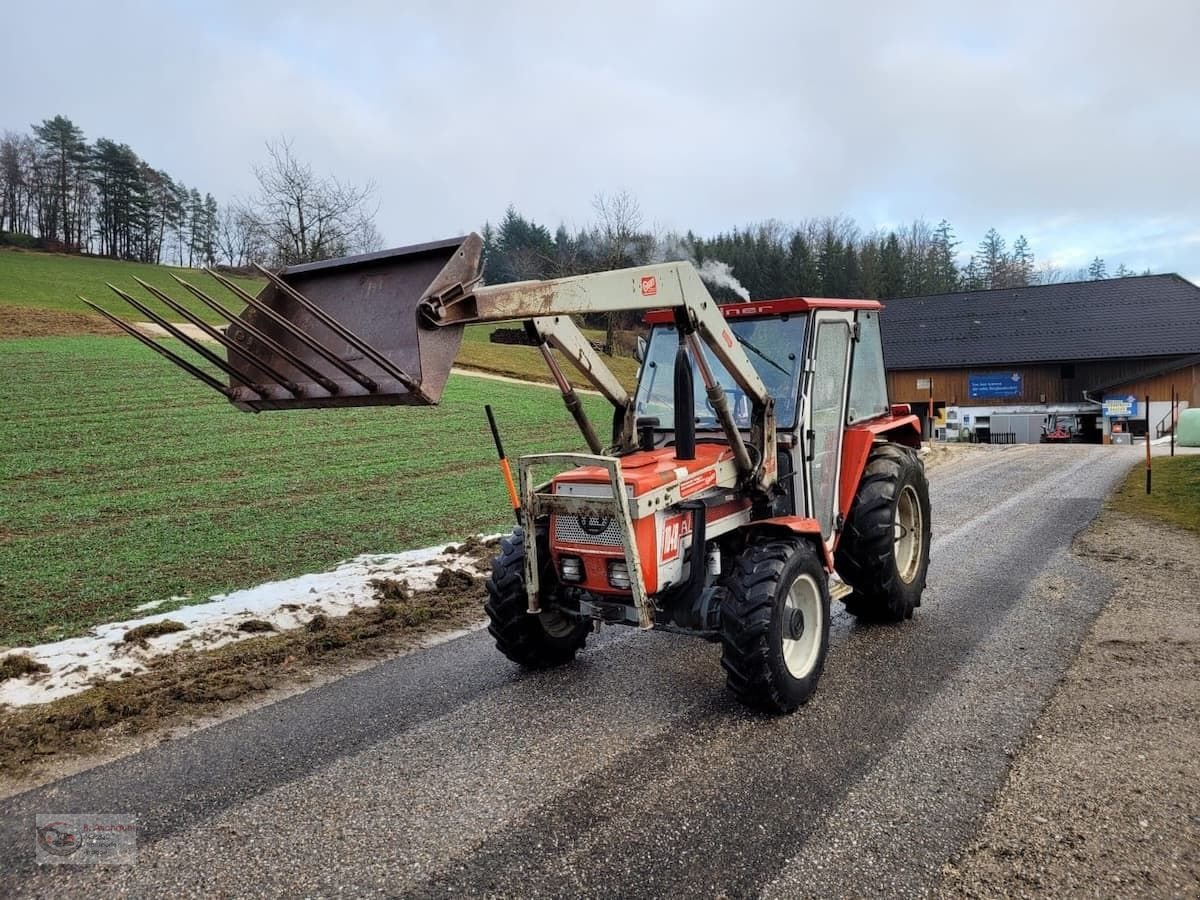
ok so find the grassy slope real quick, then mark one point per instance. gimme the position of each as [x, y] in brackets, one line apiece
[1176, 492]
[527, 363]
[122, 481]
[53, 281]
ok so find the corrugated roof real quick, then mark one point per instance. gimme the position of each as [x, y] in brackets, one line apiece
[1142, 316]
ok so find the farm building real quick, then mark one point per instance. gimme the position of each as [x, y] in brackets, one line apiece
[1076, 358]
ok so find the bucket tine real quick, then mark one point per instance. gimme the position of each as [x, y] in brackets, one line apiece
[273, 344]
[308, 340]
[223, 340]
[341, 330]
[189, 341]
[154, 345]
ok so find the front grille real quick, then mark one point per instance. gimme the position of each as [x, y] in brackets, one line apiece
[568, 530]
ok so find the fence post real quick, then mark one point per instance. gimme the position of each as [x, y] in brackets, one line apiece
[1147, 443]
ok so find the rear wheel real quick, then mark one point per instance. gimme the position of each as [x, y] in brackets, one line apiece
[550, 638]
[775, 624]
[883, 553]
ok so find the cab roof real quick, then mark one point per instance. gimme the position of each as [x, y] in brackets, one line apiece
[763, 308]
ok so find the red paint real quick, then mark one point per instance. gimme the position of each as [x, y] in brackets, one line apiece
[646, 470]
[771, 308]
[675, 529]
[856, 447]
[801, 525]
[649, 286]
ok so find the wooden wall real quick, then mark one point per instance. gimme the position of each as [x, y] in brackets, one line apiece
[1185, 381]
[1058, 383]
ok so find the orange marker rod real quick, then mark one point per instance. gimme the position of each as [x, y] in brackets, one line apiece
[513, 497]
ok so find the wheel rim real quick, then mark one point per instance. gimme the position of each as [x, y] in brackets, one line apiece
[556, 624]
[802, 626]
[910, 534]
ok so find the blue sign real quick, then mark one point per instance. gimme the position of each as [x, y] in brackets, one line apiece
[1002, 384]
[1121, 407]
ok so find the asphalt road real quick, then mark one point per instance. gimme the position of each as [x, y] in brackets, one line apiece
[632, 773]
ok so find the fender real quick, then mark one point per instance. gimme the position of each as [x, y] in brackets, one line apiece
[897, 427]
[787, 526]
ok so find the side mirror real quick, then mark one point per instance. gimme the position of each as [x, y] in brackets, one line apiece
[639, 352]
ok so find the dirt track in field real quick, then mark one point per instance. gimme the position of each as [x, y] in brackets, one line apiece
[26, 322]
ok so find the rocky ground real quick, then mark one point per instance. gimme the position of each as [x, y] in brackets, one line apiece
[1104, 798]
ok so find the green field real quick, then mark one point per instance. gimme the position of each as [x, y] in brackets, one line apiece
[123, 481]
[1175, 495]
[54, 281]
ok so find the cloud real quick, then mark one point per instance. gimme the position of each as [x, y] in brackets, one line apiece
[1074, 121]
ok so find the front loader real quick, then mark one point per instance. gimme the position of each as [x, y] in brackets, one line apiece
[757, 458]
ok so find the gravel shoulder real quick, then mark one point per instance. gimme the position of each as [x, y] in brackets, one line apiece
[1104, 797]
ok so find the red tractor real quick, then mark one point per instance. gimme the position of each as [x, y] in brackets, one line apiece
[757, 456]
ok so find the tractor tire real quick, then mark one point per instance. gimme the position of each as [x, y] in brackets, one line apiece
[775, 624]
[533, 641]
[883, 553]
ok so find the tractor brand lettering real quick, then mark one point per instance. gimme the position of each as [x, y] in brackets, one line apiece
[675, 529]
[698, 483]
[649, 285]
[733, 311]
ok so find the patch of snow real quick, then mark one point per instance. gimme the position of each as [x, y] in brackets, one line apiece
[155, 604]
[76, 663]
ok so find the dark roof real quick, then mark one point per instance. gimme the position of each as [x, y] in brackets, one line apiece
[1142, 316]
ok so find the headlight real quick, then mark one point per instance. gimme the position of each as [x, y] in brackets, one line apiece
[570, 568]
[618, 574]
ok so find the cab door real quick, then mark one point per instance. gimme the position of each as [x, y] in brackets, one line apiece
[825, 414]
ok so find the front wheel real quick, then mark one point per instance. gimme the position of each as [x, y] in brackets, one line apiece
[775, 624]
[541, 641]
[884, 549]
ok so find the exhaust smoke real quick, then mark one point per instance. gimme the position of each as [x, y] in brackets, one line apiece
[712, 271]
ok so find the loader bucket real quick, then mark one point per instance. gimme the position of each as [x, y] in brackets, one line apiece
[341, 332]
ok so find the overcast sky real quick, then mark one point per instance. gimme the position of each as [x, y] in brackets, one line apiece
[1076, 123]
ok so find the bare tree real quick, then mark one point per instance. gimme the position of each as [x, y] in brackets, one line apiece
[305, 217]
[622, 242]
[619, 222]
[239, 240]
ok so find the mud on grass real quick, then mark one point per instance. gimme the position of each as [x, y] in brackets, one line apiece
[190, 684]
[29, 321]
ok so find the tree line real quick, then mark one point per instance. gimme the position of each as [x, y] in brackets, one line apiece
[822, 257]
[60, 192]
[100, 197]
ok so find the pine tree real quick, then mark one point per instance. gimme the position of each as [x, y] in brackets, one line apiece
[992, 259]
[64, 157]
[891, 262]
[1021, 267]
[944, 274]
[1097, 271]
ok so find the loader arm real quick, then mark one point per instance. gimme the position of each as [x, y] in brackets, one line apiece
[677, 286]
